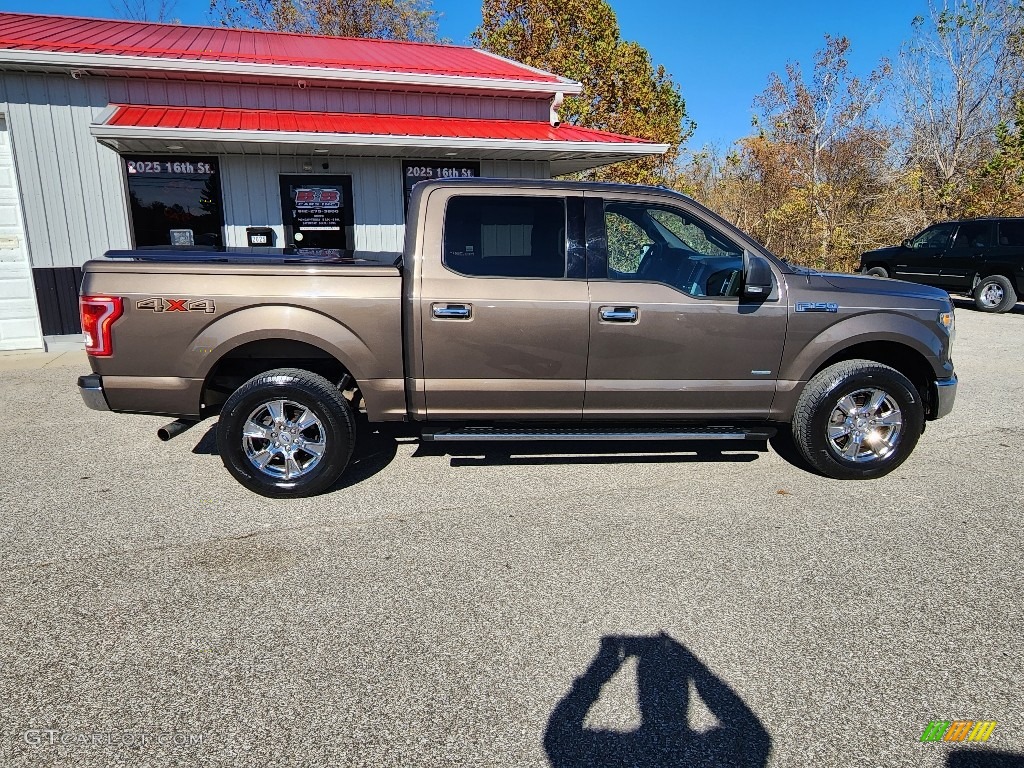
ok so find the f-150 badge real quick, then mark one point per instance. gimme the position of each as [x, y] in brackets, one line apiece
[177, 305]
[817, 306]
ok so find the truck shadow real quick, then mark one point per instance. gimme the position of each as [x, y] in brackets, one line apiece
[984, 758]
[967, 305]
[373, 452]
[525, 454]
[668, 676]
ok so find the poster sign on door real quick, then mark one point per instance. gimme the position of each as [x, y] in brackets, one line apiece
[317, 212]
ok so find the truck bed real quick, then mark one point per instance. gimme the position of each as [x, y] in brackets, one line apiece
[190, 315]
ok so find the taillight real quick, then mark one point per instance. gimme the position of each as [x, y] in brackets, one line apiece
[98, 314]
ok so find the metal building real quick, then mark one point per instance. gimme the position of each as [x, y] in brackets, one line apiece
[119, 134]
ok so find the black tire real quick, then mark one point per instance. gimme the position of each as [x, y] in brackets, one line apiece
[821, 402]
[994, 294]
[877, 272]
[332, 432]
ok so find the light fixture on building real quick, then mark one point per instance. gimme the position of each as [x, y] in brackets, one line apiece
[175, 147]
[450, 154]
[307, 165]
[321, 151]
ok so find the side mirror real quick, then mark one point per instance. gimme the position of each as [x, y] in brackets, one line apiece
[907, 244]
[757, 276]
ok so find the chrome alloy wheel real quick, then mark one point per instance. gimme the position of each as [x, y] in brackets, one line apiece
[283, 439]
[991, 295]
[865, 425]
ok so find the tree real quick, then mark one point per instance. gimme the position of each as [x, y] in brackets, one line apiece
[958, 74]
[831, 151]
[384, 19]
[144, 10]
[623, 91]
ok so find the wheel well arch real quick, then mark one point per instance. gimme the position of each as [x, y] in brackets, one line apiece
[252, 358]
[1001, 271]
[905, 359]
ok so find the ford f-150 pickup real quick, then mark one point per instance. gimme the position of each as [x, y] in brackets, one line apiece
[519, 310]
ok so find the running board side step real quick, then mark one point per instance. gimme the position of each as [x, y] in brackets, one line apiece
[497, 434]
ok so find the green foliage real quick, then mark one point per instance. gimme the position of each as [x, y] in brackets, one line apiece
[623, 92]
[384, 19]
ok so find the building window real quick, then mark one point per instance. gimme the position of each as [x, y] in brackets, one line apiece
[175, 202]
[414, 171]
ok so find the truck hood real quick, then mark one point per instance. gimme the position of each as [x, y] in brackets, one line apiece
[874, 286]
[888, 252]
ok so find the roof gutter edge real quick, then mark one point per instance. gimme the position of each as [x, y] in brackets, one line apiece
[157, 64]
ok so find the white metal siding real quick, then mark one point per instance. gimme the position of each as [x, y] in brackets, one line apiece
[19, 318]
[72, 187]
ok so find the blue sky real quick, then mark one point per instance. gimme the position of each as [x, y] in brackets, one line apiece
[720, 53]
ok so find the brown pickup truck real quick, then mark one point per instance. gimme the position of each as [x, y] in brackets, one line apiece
[520, 310]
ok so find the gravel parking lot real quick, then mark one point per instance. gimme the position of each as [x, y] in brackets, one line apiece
[465, 609]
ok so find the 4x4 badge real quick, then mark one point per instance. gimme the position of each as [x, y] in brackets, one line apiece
[177, 305]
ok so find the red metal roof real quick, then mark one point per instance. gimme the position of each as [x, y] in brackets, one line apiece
[362, 124]
[72, 35]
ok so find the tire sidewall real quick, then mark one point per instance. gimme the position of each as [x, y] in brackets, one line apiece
[337, 433]
[1009, 296]
[877, 272]
[911, 409]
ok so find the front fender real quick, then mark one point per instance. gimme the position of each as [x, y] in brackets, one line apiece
[911, 332]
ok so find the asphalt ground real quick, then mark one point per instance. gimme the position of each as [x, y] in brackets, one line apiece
[509, 607]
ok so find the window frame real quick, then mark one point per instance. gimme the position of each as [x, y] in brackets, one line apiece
[574, 243]
[671, 207]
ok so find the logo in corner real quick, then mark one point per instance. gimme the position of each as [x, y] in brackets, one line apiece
[958, 730]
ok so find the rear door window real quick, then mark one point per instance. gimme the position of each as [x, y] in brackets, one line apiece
[505, 236]
[974, 234]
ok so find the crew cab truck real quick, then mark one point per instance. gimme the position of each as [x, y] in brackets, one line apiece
[519, 310]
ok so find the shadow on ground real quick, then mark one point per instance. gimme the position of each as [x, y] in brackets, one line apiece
[373, 452]
[984, 758]
[666, 674]
[967, 305]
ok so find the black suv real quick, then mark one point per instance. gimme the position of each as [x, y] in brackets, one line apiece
[981, 258]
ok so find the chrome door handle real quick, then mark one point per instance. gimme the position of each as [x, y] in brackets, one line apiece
[618, 314]
[452, 311]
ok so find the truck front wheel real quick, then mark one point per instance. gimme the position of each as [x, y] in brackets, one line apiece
[857, 420]
[286, 433]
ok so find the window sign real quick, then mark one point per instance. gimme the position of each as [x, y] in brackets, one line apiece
[175, 202]
[317, 212]
[414, 171]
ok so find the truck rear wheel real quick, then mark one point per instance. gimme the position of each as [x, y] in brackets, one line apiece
[857, 420]
[994, 294]
[286, 433]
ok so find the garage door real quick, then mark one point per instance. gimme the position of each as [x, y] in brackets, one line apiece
[19, 318]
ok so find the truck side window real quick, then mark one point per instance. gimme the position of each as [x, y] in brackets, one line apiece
[506, 236]
[934, 237]
[973, 234]
[654, 243]
[1011, 233]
